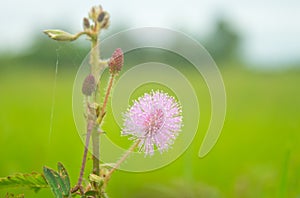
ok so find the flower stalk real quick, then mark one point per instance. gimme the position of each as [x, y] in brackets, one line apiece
[121, 160]
[108, 91]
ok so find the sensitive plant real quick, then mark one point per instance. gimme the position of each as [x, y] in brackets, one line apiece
[153, 121]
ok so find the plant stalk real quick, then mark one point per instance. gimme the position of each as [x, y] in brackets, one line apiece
[87, 142]
[94, 61]
[90, 127]
[123, 158]
[108, 91]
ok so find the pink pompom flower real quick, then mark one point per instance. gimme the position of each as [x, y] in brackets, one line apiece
[155, 120]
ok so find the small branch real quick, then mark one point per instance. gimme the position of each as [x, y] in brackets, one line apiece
[76, 36]
[90, 127]
[88, 33]
[60, 35]
[87, 142]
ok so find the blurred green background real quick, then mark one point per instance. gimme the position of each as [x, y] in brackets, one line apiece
[257, 154]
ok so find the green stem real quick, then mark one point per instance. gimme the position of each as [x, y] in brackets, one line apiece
[95, 58]
[94, 61]
[95, 134]
[88, 33]
[96, 152]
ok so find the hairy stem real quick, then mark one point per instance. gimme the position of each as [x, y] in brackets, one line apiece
[123, 158]
[87, 142]
[76, 36]
[111, 81]
[96, 152]
[94, 61]
[95, 58]
[90, 126]
[95, 134]
[108, 90]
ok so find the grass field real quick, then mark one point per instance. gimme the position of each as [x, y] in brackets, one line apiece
[257, 155]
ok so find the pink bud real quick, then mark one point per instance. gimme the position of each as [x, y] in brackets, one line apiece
[116, 61]
[89, 85]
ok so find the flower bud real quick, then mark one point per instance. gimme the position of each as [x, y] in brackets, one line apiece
[101, 17]
[59, 35]
[105, 23]
[116, 61]
[86, 23]
[95, 178]
[94, 13]
[89, 85]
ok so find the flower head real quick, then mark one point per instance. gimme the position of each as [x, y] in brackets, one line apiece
[155, 120]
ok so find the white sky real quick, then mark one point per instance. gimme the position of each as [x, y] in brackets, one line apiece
[270, 28]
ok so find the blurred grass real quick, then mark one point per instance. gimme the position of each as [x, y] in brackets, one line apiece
[262, 125]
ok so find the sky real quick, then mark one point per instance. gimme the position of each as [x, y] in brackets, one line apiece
[270, 29]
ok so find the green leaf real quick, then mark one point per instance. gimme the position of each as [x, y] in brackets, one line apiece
[52, 177]
[56, 182]
[59, 181]
[65, 177]
[33, 181]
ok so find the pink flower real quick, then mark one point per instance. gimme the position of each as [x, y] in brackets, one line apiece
[155, 120]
